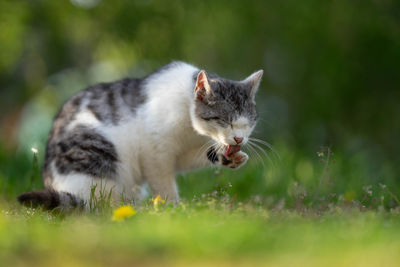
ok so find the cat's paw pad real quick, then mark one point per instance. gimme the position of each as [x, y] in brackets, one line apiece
[235, 160]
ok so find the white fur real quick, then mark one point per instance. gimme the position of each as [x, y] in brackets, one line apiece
[84, 117]
[155, 143]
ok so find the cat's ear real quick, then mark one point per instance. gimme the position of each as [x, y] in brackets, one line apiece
[202, 89]
[253, 82]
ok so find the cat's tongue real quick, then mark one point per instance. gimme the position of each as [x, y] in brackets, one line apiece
[232, 149]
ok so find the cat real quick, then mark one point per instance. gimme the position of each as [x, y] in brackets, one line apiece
[121, 135]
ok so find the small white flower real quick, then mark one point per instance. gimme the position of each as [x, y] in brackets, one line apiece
[34, 150]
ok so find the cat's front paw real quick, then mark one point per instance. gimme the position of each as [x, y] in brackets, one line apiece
[233, 161]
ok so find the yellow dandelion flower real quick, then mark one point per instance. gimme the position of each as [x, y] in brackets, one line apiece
[122, 213]
[157, 201]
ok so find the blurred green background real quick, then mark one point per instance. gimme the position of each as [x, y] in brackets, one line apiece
[331, 80]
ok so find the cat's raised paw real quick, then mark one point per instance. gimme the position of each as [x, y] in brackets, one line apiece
[235, 160]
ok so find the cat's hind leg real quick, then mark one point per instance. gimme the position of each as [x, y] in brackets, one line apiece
[89, 190]
[84, 164]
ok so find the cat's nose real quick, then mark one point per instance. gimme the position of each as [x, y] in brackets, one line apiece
[238, 140]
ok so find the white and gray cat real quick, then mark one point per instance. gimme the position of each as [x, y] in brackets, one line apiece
[124, 134]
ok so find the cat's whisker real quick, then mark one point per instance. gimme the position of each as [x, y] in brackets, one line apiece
[263, 151]
[219, 148]
[200, 150]
[262, 142]
[268, 145]
[207, 146]
[255, 145]
[204, 148]
[251, 148]
[248, 149]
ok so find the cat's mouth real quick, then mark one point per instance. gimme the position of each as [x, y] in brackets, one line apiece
[231, 149]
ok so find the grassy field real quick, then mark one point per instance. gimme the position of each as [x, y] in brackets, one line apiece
[207, 233]
[291, 211]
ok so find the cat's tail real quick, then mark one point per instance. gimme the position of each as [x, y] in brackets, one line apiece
[50, 200]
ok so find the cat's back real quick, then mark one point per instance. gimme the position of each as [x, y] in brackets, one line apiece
[176, 78]
[112, 103]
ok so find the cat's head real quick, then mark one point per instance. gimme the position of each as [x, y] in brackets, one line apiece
[225, 110]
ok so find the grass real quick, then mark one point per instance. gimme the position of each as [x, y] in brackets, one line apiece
[203, 232]
[304, 211]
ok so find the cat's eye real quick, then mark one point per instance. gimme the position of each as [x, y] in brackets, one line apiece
[210, 118]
